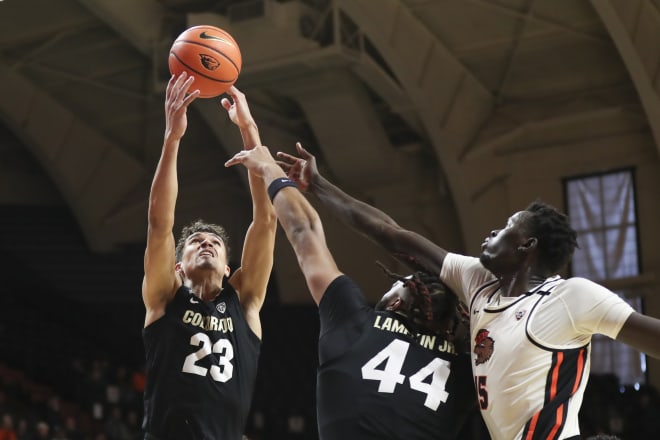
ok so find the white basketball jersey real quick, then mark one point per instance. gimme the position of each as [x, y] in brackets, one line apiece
[531, 352]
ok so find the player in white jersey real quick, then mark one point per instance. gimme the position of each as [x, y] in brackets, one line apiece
[530, 329]
[531, 351]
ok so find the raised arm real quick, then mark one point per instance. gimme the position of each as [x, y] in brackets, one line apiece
[299, 220]
[642, 333]
[251, 279]
[408, 246]
[160, 281]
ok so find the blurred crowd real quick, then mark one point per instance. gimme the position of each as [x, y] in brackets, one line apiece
[104, 402]
[58, 382]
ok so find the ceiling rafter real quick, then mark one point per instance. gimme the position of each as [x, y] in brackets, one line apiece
[95, 83]
[138, 21]
[542, 20]
[511, 58]
[380, 22]
[625, 44]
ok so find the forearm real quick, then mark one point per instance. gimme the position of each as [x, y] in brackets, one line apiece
[408, 246]
[164, 188]
[364, 218]
[250, 135]
[259, 244]
[262, 209]
[293, 211]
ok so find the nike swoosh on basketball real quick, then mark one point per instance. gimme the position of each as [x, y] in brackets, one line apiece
[206, 36]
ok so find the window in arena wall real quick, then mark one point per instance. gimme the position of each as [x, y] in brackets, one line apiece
[602, 209]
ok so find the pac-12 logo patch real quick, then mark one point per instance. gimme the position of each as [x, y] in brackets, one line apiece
[221, 307]
[520, 314]
[483, 347]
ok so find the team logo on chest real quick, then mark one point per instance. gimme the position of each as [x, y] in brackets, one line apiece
[520, 314]
[221, 307]
[483, 346]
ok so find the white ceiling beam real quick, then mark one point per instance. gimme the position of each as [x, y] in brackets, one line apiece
[138, 21]
[513, 51]
[82, 163]
[563, 27]
[449, 100]
[629, 52]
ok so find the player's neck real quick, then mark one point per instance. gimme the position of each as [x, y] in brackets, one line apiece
[520, 283]
[206, 288]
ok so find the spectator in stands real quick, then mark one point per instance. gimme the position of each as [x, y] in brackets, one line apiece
[7, 427]
[42, 431]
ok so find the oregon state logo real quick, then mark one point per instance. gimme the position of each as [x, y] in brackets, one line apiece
[208, 62]
[483, 347]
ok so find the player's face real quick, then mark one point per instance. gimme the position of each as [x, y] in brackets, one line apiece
[204, 251]
[500, 251]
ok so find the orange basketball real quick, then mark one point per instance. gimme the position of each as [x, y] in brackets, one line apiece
[209, 54]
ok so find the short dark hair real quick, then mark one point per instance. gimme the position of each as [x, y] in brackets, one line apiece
[200, 226]
[557, 240]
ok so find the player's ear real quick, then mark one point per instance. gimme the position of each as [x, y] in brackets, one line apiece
[178, 268]
[227, 270]
[529, 244]
[394, 304]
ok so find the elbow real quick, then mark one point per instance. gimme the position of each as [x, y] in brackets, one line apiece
[269, 218]
[299, 229]
[157, 219]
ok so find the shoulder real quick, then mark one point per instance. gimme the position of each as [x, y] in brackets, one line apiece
[458, 259]
[578, 286]
[581, 298]
[340, 287]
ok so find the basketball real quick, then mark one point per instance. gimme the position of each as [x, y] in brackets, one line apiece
[211, 55]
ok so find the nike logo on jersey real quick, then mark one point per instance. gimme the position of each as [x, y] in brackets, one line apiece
[206, 36]
[193, 300]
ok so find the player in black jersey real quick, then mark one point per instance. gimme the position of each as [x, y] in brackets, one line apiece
[201, 335]
[398, 371]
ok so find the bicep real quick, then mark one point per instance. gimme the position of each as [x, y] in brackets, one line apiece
[642, 333]
[315, 260]
[256, 263]
[414, 249]
[160, 280]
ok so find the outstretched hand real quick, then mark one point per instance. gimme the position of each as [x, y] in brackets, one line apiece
[302, 170]
[177, 100]
[237, 108]
[259, 160]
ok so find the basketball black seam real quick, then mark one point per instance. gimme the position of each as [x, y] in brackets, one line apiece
[210, 48]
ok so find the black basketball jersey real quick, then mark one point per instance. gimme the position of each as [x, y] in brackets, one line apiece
[379, 380]
[201, 367]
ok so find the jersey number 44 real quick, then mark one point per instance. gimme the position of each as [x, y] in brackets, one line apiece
[389, 375]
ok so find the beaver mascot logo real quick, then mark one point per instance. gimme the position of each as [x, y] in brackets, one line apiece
[209, 62]
[483, 346]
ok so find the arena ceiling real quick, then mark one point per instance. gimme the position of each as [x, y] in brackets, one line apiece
[418, 106]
